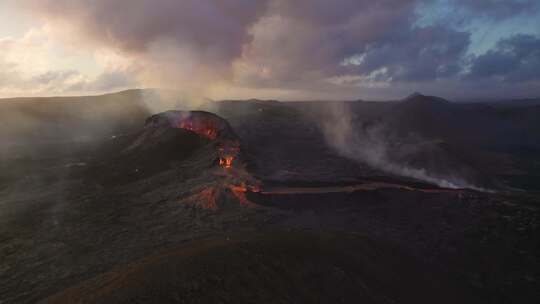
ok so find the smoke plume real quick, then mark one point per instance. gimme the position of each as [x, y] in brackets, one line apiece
[373, 146]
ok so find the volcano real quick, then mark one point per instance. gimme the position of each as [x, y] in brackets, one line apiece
[205, 124]
[201, 122]
[259, 183]
[233, 181]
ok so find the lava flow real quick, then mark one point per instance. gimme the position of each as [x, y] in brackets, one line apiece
[226, 161]
[201, 125]
[239, 191]
[228, 151]
[213, 128]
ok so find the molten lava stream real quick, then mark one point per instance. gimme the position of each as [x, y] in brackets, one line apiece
[202, 127]
[239, 191]
[227, 152]
[226, 161]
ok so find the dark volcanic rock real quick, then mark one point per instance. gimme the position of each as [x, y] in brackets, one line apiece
[272, 268]
[167, 138]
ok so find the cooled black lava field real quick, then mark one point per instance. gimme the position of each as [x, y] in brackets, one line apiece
[264, 202]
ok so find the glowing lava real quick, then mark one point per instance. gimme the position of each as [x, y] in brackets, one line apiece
[202, 127]
[240, 190]
[209, 126]
[232, 182]
[226, 161]
[228, 151]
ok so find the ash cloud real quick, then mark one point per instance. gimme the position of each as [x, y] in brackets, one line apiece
[515, 59]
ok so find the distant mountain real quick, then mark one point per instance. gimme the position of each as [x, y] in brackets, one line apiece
[420, 98]
[474, 140]
[476, 124]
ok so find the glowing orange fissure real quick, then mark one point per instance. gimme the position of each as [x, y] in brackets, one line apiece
[207, 197]
[203, 127]
[227, 149]
[239, 191]
[242, 187]
[226, 162]
[227, 153]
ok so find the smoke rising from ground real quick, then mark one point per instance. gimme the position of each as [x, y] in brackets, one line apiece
[373, 146]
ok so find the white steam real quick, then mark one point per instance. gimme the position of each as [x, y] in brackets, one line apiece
[372, 147]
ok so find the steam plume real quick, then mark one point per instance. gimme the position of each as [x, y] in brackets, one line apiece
[373, 147]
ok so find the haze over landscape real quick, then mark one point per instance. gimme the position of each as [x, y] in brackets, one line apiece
[270, 151]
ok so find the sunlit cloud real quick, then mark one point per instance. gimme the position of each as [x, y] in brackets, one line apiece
[294, 49]
[37, 63]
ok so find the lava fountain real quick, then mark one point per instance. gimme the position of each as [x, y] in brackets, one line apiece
[234, 179]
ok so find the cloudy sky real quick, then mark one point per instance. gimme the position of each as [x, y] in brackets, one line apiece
[301, 49]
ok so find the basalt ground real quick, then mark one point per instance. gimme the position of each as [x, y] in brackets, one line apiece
[93, 221]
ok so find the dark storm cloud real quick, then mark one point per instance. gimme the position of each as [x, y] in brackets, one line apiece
[418, 54]
[328, 13]
[499, 9]
[514, 59]
[378, 41]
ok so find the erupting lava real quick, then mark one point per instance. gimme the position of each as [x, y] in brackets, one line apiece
[233, 182]
[202, 126]
[213, 128]
[207, 125]
[239, 191]
[228, 151]
[226, 161]
[211, 196]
